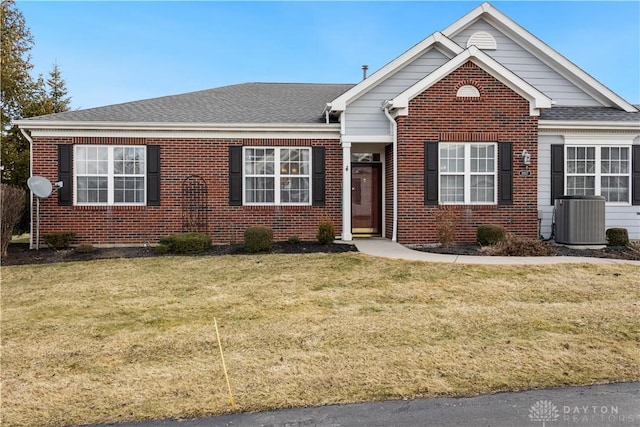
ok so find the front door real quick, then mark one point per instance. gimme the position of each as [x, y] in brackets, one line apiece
[366, 198]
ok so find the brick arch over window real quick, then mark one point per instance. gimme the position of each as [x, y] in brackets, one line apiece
[468, 89]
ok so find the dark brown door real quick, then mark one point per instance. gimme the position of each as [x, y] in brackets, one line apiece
[366, 198]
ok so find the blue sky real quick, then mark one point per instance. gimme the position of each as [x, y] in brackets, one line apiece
[119, 51]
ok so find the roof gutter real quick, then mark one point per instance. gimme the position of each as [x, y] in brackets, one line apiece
[587, 125]
[178, 126]
[386, 106]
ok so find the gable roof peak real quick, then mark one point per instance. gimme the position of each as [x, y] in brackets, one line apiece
[436, 39]
[542, 51]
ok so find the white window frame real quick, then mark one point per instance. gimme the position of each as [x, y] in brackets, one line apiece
[110, 175]
[468, 174]
[277, 176]
[597, 174]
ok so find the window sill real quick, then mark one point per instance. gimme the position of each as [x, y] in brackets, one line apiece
[109, 207]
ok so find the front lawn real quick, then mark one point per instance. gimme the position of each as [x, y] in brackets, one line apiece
[132, 339]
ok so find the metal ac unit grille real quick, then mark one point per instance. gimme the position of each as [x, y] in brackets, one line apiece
[580, 220]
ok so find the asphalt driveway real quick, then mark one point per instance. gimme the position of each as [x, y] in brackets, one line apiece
[610, 405]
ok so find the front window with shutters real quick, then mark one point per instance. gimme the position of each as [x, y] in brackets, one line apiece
[467, 173]
[277, 176]
[599, 170]
[109, 175]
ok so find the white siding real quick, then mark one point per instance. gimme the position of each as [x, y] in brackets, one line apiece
[528, 67]
[364, 117]
[615, 216]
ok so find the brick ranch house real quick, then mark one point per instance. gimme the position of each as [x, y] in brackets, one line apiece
[482, 116]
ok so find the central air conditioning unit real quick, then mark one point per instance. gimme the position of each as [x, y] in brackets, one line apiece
[580, 220]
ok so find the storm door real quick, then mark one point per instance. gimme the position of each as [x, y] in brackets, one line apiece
[366, 198]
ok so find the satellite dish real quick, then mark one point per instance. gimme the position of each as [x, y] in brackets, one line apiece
[40, 186]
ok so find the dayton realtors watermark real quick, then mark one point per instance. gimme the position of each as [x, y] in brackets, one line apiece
[545, 411]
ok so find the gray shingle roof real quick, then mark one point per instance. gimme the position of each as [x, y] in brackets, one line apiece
[242, 103]
[598, 114]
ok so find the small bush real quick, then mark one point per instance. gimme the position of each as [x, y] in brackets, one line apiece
[326, 233]
[446, 219]
[60, 240]
[187, 243]
[515, 246]
[294, 240]
[258, 239]
[12, 200]
[84, 248]
[618, 237]
[490, 234]
[162, 249]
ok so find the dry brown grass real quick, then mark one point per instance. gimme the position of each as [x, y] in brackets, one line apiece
[126, 339]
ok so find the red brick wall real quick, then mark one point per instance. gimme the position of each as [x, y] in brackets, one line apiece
[498, 115]
[180, 158]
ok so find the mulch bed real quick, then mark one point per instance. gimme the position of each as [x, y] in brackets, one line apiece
[615, 252]
[19, 253]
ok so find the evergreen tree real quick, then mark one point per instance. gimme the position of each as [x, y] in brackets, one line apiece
[22, 96]
[16, 82]
[58, 91]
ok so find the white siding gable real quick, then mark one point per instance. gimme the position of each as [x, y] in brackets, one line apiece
[528, 67]
[364, 115]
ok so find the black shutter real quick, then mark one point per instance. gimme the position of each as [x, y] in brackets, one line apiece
[153, 175]
[235, 175]
[318, 176]
[64, 174]
[635, 174]
[557, 172]
[430, 173]
[505, 173]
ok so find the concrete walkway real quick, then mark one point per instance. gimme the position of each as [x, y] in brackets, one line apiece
[386, 248]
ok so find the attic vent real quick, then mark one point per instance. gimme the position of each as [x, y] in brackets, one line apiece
[468, 91]
[482, 40]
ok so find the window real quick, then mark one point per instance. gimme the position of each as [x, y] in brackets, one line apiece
[110, 175]
[599, 170]
[467, 173]
[279, 176]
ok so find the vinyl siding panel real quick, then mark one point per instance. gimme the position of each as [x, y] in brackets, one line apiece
[364, 116]
[615, 216]
[545, 209]
[529, 68]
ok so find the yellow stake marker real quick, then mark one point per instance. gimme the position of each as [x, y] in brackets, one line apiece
[224, 366]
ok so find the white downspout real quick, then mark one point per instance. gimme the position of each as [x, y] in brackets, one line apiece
[394, 133]
[28, 137]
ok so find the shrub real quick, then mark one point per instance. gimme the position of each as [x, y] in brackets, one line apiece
[516, 246]
[84, 248]
[446, 219]
[490, 234]
[12, 199]
[618, 237]
[61, 240]
[162, 249]
[326, 233]
[187, 243]
[258, 239]
[294, 240]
